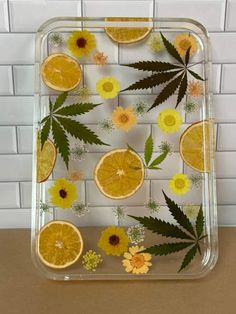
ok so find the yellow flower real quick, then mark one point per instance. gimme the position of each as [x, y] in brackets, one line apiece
[169, 120]
[108, 87]
[180, 184]
[195, 89]
[135, 262]
[81, 43]
[183, 41]
[124, 118]
[63, 193]
[113, 241]
[100, 58]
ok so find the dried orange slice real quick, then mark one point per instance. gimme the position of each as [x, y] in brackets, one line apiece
[46, 159]
[119, 173]
[127, 35]
[59, 244]
[194, 146]
[61, 72]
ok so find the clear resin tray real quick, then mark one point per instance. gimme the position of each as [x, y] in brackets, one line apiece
[123, 171]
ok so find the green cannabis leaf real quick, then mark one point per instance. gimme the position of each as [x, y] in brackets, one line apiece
[60, 124]
[185, 231]
[175, 76]
[148, 153]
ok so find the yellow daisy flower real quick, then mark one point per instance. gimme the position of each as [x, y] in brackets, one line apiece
[180, 184]
[195, 89]
[113, 241]
[135, 262]
[108, 87]
[81, 43]
[124, 118]
[63, 193]
[183, 41]
[169, 120]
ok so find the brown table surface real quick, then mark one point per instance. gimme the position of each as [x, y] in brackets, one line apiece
[23, 290]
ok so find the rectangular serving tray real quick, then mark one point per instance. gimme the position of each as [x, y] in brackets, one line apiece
[104, 211]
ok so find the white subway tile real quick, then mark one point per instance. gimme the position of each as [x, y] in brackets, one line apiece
[8, 140]
[118, 8]
[224, 108]
[15, 218]
[209, 13]
[220, 40]
[4, 22]
[226, 137]
[27, 16]
[24, 80]
[15, 167]
[9, 193]
[96, 198]
[25, 139]
[231, 16]
[194, 196]
[216, 76]
[16, 110]
[227, 215]
[26, 194]
[228, 78]
[22, 51]
[124, 75]
[6, 86]
[226, 191]
[225, 164]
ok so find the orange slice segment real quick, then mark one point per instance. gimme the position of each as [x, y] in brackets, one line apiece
[61, 72]
[46, 159]
[119, 173]
[194, 146]
[127, 35]
[59, 244]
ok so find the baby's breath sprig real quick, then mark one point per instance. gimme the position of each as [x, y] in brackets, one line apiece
[190, 107]
[106, 125]
[44, 207]
[56, 39]
[136, 234]
[152, 206]
[119, 212]
[140, 108]
[78, 152]
[196, 180]
[155, 43]
[191, 211]
[91, 260]
[84, 93]
[80, 209]
[165, 147]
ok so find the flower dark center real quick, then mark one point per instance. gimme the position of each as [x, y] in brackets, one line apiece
[63, 193]
[114, 240]
[81, 42]
[124, 118]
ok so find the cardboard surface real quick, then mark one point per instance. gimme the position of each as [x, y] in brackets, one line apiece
[24, 291]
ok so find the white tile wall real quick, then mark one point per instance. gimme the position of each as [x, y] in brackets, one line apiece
[19, 19]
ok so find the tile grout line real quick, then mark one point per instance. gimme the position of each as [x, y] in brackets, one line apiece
[17, 144]
[9, 16]
[20, 198]
[225, 15]
[13, 81]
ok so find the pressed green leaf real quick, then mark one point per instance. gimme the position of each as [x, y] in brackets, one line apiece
[167, 248]
[75, 109]
[187, 55]
[200, 222]
[45, 132]
[61, 141]
[159, 159]
[182, 89]
[162, 227]
[179, 215]
[153, 80]
[60, 101]
[188, 257]
[154, 66]
[80, 131]
[154, 168]
[50, 105]
[131, 148]
[171, 49]
[44, 119]
[148, 149]
[167, 91]
[198, 77]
